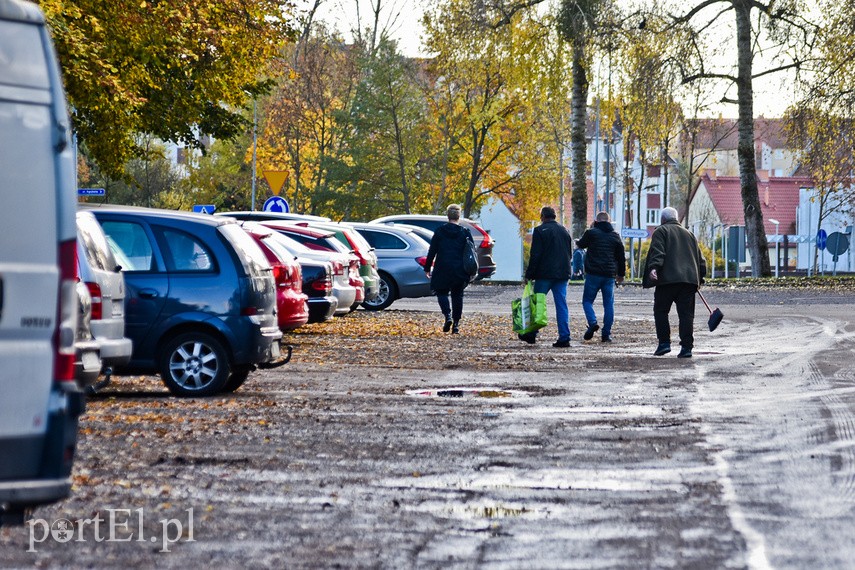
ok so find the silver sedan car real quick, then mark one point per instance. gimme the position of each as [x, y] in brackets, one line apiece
[401, 255]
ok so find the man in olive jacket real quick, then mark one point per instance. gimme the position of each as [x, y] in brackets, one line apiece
[677, 269]
[605, 264]
[549, 267]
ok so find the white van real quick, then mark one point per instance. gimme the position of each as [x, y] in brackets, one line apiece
[39, 398]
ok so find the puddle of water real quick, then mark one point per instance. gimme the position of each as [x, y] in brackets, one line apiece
[468, 393]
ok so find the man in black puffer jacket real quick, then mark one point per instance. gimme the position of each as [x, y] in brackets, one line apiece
[605, 264]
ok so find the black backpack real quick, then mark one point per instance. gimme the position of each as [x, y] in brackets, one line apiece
[470, 257]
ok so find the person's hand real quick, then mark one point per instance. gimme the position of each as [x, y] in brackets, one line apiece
[653, 275]
[619, 279]
[427, 274]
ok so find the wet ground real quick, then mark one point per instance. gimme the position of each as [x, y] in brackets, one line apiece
[386, 443]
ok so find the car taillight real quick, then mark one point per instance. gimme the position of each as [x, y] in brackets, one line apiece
[66, 322]
[249, 311]
[297, 278]
[488, 241]
[324, 285]
[97, 300]
[421, 260]
[280, 275]
[338, 268]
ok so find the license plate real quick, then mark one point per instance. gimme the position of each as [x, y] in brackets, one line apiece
[91, 361]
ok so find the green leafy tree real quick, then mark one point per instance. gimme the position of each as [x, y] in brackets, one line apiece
[175, 70]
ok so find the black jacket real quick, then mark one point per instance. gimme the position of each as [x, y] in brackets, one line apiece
[675, 256]
[605, 256]
[446, 247]
[551, 251]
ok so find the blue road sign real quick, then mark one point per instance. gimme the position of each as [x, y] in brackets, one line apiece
[91, 192]
[821, 239]
[204, 208]
[276, 204]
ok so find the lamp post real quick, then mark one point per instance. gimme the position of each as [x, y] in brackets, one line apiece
[777, 257]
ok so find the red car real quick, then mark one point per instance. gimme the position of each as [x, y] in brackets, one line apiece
[291, 303]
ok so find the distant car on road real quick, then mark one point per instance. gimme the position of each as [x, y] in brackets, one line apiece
[483, 241]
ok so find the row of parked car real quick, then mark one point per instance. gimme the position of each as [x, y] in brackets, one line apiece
[203, 300]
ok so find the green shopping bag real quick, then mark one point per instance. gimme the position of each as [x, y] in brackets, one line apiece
[529, 311]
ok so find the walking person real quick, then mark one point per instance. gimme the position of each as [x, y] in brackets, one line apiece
[549, 267]
[605, 265]
[448, 277]
[677, 269]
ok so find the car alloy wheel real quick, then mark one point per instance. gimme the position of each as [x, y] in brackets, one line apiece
[386, 294]
[194, 364]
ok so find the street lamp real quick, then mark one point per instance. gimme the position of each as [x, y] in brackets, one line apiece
[777, 257]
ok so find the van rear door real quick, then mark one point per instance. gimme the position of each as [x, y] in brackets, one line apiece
[37, 251]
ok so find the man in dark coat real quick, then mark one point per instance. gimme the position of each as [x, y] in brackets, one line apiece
[549, 267]
[676, 268]
[448, 276]
[605, 264]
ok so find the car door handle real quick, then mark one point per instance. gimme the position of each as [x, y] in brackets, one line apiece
[147, 293]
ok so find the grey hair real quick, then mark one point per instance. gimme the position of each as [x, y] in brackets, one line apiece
[668, 213]
[453, 211]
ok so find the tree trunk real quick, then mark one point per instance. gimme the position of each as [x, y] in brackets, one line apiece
[755, 233]
[665, 174]
[579, 115]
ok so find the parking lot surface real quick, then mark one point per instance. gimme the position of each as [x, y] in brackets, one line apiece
[386, 443]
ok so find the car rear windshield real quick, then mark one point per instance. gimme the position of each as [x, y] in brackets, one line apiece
[253, 259]
[98, 252]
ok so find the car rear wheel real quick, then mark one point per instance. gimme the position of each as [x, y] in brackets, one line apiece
[386, 295]
[194, 364]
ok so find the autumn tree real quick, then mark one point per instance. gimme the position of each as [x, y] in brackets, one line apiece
[825, 144]
[784, 36]
[175, 70]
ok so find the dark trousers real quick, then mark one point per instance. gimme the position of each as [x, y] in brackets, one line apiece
[455, 309]
[683, 295]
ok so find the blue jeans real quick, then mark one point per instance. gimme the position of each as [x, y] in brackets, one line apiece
[559, 295]
[593, 284]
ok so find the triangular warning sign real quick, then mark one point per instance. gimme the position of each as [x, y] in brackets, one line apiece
[276, 179]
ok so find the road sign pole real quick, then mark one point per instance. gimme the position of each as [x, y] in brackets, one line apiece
[631, 260]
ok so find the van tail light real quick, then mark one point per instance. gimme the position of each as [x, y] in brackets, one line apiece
[421, 260]
[66, 322]
[97, 300]
[338, 268]
[488, 240]
[249, 311]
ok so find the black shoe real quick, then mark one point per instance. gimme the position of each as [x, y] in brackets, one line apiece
[663, 348]
[685, 353]
[454, 328]
[589, 334]
[528, 337]
[607, 338]
[447, 326]
[561, 344]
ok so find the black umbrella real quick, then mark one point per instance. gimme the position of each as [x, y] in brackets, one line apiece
[715, 316]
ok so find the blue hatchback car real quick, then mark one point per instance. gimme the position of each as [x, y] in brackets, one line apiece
[200, 306]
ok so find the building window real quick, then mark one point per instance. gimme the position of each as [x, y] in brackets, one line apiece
[652, 217]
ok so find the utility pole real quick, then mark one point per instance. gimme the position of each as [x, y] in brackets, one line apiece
[254, 141]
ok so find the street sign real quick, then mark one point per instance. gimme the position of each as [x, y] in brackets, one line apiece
[91, 192]
[204, 208]
[633, 233]
[276, 204]
[821, 238]
[276, 179]
[837, 243]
